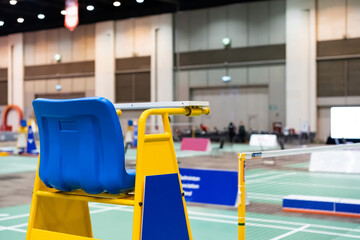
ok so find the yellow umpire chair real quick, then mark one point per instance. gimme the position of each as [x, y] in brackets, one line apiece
[82, 160]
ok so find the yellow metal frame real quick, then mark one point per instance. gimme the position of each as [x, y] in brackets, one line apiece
[241, 196]
[59, 215]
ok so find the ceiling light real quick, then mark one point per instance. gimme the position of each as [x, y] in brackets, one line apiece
[139, 1]
[41, 16]
[63, 12]
[90, 7]
[2, 23]
[20, 20]
[116, 4]
[13, 2]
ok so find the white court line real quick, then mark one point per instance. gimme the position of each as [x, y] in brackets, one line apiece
[265, 198]
[4, 215]
[266, 194]
[276, 227]
[130, 209]
[274, 221]
[14, 228]
[15, 216]
[271, 177]
[259, 175]
[126, 209]
[263, 225]
[306, 184]
[290, 233]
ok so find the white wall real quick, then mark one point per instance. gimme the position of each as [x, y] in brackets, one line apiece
[41, 46]
[338, 19]
[249, 105]
[4, 52]
[272, 75]
[105, 60]
[162, 59]
[15, 75]
[15, 70]
[300, 64]
[137, 37]
[247, 24]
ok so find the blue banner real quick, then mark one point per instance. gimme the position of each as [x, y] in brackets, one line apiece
[209, 186]
[135, 135]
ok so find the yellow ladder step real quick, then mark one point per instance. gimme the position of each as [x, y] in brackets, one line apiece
[38, 234]
[128, 201]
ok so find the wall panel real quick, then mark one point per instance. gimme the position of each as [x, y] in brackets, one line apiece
[78, 84]
[214, 76]
[249, 105]
[182, 31]
[40, 47]
[52, 45]
[277, 22]
[90, 42]
[199, 30]
[353, 75]
[258, 75]
[198, 78]
[124, 38]
[353, 18]
[65, 45]
[3, 93]
[258, 23]
[277, 98]
[79, 44]
[29, 48]
[238, 27]
[218, 26]
[331, 78]
[331, 19]
[4, 52]
[323, 123]
[143, 36]
[182, 85]
[239, 75]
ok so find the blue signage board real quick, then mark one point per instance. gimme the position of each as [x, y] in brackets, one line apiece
[209, 186]
[135, 135]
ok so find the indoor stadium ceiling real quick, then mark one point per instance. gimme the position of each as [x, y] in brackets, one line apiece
[29, 10]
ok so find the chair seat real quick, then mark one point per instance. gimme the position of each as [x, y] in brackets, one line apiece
[82, 146]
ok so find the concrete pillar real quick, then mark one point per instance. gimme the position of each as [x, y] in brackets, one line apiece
[162, 59]
[300, 64]
[162, 62]
[105, 60]
[16, 70]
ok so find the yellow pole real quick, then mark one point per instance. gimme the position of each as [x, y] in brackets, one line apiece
[241, 194]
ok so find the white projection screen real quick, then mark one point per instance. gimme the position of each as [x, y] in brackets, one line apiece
[345, 122]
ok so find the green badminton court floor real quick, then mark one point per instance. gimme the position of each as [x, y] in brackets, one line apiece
[263, 186]
[115, 222]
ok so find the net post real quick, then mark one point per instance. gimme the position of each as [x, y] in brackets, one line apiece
[241, 196]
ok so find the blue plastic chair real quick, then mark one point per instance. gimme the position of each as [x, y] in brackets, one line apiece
[82, 146]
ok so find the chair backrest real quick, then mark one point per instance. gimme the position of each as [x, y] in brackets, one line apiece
[81, 146]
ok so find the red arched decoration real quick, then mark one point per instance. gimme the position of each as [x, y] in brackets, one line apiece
[4, 126]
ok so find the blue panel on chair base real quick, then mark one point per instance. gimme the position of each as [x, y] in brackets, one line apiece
[323, 205]
[163, 210]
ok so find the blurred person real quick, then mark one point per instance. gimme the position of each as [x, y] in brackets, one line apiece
[203, 128]
[242, 132]
[231, 131]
